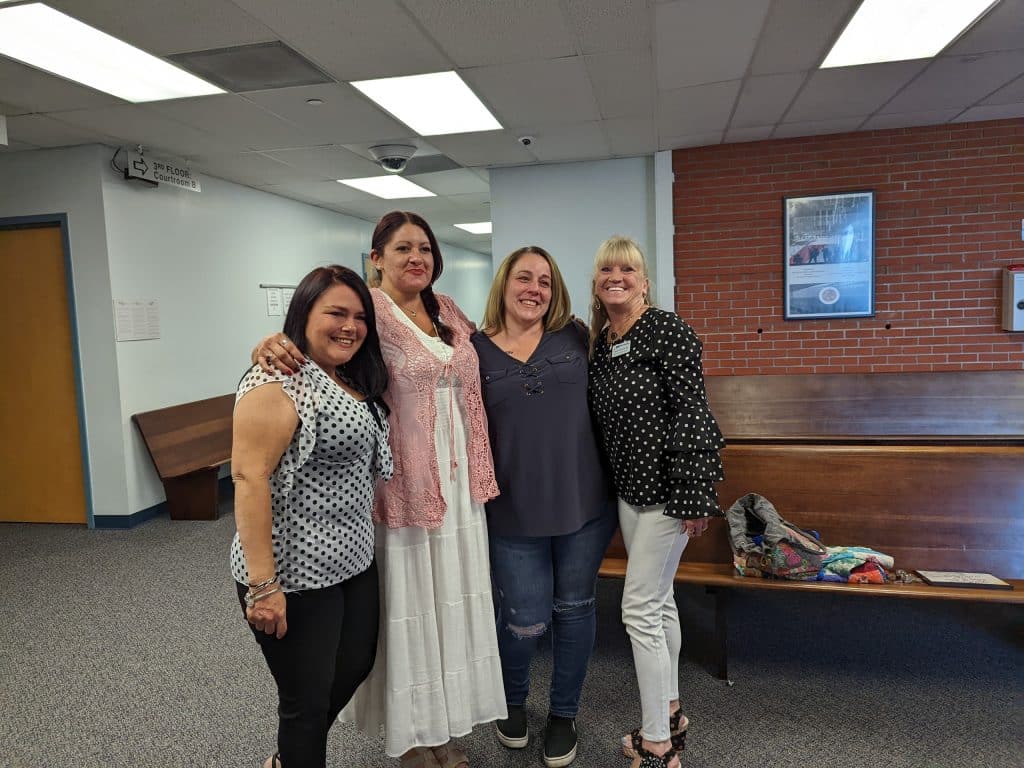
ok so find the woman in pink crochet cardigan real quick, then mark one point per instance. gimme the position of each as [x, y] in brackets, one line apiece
[437, 672]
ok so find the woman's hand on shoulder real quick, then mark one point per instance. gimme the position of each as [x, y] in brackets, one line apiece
[278, 352]
[270, 615]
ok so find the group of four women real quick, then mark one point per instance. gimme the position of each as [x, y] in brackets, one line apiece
[391, 390]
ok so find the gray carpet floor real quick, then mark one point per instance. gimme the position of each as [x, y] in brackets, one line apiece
[127, 648]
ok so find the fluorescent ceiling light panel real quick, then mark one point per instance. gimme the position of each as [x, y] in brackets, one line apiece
[900, 30]
[56, 43]
[477, 228]
[431, 105]
[388, 187]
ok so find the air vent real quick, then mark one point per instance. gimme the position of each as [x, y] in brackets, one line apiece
[259, 67]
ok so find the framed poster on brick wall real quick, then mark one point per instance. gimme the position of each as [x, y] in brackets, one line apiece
[829, 256]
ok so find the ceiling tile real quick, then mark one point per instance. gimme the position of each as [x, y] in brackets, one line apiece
[42, 131]
[345, 117]
[610, 25]
[755, 133]
[705, 41]
[322, 191]
[958, 80]
[353, 40]
[250, 168]
[696, 140]
[798, 33]
[623, 83]
[764, 99]
[906, 120]
[993, 112]
[460, 182]
[235, 120]
[1008, 94]
[160, 27]
[31, 90]
[847, 91]
[536, 92]
[489, 148]
[697, 110]
[476, 34]
[327, 162]
[564, 143]
[136, 124]
[817, 127]
[631, 136]
[1000, 30]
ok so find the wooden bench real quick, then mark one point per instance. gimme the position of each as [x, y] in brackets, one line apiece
[188, 444]
[926, 467]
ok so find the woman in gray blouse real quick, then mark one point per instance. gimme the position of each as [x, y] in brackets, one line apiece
[551, 524]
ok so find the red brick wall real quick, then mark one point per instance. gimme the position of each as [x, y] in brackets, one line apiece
[949, 200]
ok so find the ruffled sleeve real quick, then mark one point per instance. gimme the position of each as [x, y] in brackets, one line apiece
[302, 389]
[694, 439]
[383, 464]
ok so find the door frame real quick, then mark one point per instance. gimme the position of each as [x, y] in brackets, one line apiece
[61, 220]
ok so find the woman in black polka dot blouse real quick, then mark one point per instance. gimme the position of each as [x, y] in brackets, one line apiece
[307, 451]
[661, 441]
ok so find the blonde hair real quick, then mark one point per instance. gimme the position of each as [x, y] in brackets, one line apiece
[622, 251]
[559, 310]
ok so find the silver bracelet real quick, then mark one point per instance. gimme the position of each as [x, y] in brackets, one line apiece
[263, 584]
[251, 599]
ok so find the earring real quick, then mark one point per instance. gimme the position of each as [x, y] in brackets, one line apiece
[597, 304]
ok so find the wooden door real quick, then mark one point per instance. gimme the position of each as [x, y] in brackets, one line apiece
[40, 448]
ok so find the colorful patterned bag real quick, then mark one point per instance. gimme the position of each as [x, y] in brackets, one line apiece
[765, 545]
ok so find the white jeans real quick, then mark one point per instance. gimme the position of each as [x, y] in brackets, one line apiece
[654, 544]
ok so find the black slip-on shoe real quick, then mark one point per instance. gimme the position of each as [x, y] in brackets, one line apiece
[512, 732]
[559, 741]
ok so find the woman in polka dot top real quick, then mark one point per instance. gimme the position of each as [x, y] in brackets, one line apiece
[307, 451]
[661, 441]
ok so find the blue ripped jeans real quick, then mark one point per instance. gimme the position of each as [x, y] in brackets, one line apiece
[548, 582]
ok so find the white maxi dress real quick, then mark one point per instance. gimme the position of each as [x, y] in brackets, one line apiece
[437, 672]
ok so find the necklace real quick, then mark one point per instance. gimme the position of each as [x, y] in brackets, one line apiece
[614, 335]
[409, 312]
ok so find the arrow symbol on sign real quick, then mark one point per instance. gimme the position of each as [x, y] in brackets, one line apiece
[141, 166]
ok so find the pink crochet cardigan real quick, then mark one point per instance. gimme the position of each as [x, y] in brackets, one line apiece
[413, 495]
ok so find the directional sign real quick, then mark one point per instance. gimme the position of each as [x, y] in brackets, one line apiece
[161, 170]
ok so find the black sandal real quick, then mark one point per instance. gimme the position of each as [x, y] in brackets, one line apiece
[678, 735]
[650, 760]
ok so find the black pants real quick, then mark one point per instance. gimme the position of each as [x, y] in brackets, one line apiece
[327, 652]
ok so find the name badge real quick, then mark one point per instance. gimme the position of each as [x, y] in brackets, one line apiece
[622, 348]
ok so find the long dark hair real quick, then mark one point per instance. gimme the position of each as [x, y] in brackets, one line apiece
[387, 226]
[365, 371]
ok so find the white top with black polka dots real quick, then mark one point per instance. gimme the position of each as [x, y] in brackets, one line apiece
[322, 489]
[647, 397]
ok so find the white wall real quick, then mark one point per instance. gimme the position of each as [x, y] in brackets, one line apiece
[467, 279]
[68, 181]
[570, 209]
[203, 256]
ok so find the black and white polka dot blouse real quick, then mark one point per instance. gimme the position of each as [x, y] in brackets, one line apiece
[647, 395]
[322, 489]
